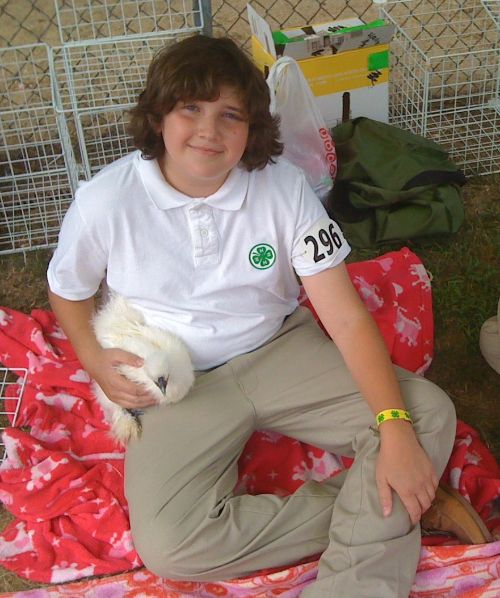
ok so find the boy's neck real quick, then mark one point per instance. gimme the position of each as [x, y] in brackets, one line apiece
[191, 188]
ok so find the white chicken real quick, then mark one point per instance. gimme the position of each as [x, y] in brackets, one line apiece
[167, 372]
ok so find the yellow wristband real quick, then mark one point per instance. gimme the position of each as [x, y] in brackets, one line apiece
[387, 414]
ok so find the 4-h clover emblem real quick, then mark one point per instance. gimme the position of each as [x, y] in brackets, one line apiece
[262, 256]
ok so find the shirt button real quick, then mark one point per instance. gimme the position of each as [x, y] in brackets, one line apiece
[204, 232]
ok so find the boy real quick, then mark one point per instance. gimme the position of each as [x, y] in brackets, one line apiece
[204, 230]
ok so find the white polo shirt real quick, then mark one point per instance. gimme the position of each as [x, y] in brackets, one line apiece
[218, 271]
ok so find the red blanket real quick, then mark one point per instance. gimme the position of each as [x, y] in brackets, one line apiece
[63, 481]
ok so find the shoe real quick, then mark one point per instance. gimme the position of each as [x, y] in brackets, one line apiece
[452, 513]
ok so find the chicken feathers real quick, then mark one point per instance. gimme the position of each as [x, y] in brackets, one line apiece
[167, 372]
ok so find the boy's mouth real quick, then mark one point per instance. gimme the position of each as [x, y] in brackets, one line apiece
[206, 151]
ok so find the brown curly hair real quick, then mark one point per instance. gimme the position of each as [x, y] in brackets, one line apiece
[195, 69]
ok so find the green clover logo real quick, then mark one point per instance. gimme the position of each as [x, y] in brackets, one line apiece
[395, 414]
[262, 256]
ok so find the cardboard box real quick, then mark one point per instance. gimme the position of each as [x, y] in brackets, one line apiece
[331, 38]
[345, 81]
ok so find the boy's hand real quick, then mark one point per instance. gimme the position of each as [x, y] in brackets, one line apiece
[403, 466]
[116, 387]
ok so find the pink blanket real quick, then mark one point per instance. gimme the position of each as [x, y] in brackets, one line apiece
[446, 571]
[63, 480]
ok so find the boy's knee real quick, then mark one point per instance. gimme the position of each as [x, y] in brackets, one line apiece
[442, 415]
[431, 408]
[166, 554]
[434, 418]
[159, 555]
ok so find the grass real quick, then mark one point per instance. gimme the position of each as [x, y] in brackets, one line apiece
[465, 288]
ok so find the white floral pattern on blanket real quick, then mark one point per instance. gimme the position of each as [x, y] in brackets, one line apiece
[63, 480]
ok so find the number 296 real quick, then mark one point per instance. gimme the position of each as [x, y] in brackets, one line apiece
[327, 240]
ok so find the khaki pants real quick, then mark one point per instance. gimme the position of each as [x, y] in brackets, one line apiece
[186, 523]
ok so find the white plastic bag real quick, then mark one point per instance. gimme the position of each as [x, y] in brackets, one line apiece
[308, 143]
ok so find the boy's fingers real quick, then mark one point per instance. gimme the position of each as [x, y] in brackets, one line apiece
[426, 497]
[133, 392]
[385, 497]
[413, 507]
[134, 399]
[124, 357]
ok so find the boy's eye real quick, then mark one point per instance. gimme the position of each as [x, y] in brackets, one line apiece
[190, 107]
[233, 116]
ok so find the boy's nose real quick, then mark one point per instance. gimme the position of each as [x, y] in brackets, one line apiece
[207, 127]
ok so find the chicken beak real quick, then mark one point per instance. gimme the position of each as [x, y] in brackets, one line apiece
[161, 383]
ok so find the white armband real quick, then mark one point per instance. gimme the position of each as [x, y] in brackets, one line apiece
[322, 243]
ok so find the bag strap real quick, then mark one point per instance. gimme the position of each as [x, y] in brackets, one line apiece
[274, 77]
[435, 177]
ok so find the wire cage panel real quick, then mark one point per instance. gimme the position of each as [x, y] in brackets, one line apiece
[31, 143]
[25, 77]
[81, 20]
[445, 77]
[471, 136]
[37, 163]
[104, 74]
[62, 109]
[104, 138]
[12, 384]
[95, 85]
[492, 7]
[32, 210]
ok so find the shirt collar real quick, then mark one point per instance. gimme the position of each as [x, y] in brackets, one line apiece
[228, 197]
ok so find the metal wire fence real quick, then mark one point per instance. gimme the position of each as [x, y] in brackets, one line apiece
[70, 69]
[59, 102]
[27, 22]
[229, 16]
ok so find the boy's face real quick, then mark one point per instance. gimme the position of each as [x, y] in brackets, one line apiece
[203, 141]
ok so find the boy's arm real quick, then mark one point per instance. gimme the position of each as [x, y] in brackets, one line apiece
[402, 463]
[75, 319]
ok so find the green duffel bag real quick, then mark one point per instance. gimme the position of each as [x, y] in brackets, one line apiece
[392, 185]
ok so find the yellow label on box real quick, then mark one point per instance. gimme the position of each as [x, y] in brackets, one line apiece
[338, 72]
[344, 71]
